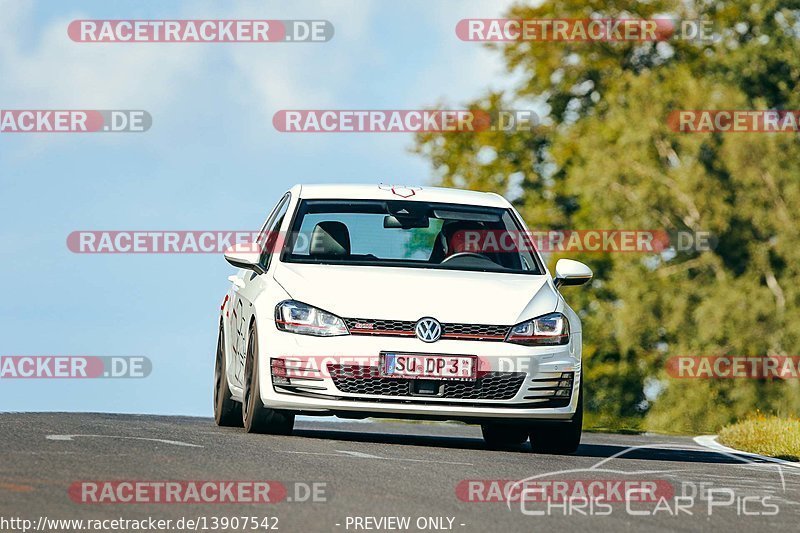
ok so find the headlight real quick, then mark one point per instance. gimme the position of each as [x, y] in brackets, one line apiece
[297, 317]
[546, 330]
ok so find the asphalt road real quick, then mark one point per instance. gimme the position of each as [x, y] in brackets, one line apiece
[375, 470]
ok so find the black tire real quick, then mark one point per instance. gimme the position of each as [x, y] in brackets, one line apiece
[560, 438]
[257, 418]
[504, 437]
[227, 411]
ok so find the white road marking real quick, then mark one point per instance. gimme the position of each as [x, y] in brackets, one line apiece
[165, 441]
[710, 441]
[360, 455]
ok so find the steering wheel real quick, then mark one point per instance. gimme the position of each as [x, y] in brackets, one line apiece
[465, 254]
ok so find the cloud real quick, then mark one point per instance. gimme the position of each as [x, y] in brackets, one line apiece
[55, 72]
[305, 75]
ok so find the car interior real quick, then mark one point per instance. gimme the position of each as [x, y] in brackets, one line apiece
[412, 233]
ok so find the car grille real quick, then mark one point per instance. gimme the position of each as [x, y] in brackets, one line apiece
[378, 327]
[366, 380]
[547, 389]
[405, 328]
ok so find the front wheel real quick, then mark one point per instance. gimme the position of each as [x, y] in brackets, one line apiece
[560, 438]
[257, 418]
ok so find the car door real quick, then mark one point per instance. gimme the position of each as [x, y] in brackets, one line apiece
[247, 286]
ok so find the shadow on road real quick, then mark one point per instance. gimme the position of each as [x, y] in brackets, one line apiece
[465, 443]
[599, 451]
[657, 454]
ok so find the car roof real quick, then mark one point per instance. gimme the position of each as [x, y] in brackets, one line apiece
[414, 193]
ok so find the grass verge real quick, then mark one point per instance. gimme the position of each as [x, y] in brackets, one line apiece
[766, 435]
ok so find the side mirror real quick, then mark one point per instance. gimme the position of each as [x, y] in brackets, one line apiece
[245, 255]
[569, 272]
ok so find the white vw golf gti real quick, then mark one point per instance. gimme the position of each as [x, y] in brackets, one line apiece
[403, 302]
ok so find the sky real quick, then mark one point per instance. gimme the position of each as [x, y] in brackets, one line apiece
[212, 160]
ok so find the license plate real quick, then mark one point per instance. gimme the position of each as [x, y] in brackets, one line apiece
[414, 366]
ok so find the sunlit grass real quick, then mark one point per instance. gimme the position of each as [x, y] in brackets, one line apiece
[594, 423]
[765, 435]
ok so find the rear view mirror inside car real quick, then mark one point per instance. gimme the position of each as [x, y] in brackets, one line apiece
[401, 222]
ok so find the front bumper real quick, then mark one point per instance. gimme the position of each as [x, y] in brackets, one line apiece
[522, 379]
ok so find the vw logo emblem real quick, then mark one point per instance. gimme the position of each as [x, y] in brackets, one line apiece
[428, 330]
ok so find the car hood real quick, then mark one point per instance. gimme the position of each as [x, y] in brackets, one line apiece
[392, 293]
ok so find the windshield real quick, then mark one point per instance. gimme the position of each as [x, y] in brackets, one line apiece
[409, 234]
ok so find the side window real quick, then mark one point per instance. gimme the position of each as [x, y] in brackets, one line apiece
[269, 238]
